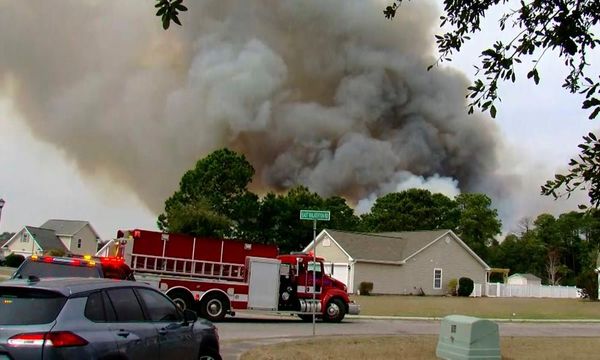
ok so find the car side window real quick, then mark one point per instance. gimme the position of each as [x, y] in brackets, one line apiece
[158, 306]
[98, 308]
[94, 307]
[126, 305]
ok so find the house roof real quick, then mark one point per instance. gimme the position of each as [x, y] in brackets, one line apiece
[527, 276]
[393, 247]
[64, 227]
[46, 238]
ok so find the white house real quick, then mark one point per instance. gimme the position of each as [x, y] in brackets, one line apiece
[32, 240]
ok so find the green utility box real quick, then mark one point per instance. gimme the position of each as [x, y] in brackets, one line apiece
[466, 337]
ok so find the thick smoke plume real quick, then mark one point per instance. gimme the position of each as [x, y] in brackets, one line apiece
[327, 94]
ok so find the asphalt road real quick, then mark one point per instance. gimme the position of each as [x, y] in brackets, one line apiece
[247, 331]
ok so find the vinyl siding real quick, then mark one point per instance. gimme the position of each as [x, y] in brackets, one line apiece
[331, 253]
[417, 273]
[89, 243]
[24, 248]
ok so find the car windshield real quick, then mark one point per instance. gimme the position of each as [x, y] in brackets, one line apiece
[43, 270]
[19, 306]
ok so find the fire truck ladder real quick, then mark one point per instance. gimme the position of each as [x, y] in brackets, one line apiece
[187, 267]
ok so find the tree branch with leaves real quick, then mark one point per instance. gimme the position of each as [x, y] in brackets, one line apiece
[168, 10]
[562, 25]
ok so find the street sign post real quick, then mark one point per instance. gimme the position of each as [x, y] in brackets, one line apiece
[314, 215]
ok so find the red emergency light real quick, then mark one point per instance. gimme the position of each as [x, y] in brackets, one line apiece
[112, 260]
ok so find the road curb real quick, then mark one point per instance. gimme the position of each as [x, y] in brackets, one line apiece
[424, 318]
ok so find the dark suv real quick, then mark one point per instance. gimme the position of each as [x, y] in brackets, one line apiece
[57, 266]
[82, 318]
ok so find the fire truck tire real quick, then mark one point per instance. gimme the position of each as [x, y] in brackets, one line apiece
[214, 306]
[335, 311]
[182, 299]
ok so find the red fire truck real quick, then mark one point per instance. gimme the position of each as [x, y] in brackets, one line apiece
[216, 277]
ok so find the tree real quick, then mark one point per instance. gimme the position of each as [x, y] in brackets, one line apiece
[213, 198]
[409, 210]
[479, 223]
[280, 217]
[524, 254]
[197, 219]
[565, 28]
[554, 268]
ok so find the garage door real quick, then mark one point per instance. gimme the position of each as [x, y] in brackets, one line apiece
[338, 271]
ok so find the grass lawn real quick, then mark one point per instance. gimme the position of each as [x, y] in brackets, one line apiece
[421, 347]
[484, 307]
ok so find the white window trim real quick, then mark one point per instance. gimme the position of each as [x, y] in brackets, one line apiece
[441, 278]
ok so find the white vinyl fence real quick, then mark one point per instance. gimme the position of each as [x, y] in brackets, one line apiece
[537, 291]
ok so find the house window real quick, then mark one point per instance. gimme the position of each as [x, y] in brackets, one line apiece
[437, 278]
[25, 238]
[326, 241]
[79, 244]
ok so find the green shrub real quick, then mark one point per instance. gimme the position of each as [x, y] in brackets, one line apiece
[452, 285]
[365, 288]
[465, 286]
[14, 260]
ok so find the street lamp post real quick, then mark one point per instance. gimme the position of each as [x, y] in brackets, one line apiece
[2, 202]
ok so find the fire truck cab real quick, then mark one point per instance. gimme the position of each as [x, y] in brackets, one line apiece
[216, 277]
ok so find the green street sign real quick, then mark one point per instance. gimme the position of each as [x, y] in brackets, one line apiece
[314, 215]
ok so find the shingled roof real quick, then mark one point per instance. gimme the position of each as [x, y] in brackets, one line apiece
[46, 238]
[384, 247]
[64, 227]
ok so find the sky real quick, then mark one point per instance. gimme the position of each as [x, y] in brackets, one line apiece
[43, 175]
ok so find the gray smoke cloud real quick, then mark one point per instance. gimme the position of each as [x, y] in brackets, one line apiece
[328, 94]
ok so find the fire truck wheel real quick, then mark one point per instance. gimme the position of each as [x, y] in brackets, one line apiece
[182, 299]
[335, 312]
[214, 306]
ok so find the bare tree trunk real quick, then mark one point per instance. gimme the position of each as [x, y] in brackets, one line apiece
[553, 267]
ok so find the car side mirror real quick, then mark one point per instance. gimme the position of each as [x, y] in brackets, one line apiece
[189, 316]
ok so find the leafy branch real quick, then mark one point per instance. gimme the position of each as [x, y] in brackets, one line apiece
[563, 25]
[584, 174]
[168, 10]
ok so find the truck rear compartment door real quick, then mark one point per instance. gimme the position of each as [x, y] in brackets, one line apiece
[263, 284]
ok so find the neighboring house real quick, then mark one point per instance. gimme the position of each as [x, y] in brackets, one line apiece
[400, 262]
[70, 236]
[32, 240]
[79, 237]
[524, 279]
